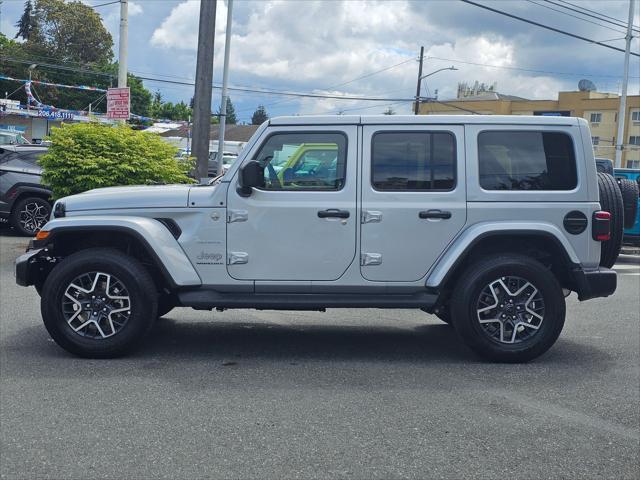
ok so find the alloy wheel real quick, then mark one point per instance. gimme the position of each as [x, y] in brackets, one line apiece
[33, 216]
[510, 310]
[96, 305]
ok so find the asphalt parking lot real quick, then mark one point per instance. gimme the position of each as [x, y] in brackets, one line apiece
[342, 394]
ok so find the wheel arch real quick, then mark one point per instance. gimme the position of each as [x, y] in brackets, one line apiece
[542, 244]
[146, 239]
[24, 191]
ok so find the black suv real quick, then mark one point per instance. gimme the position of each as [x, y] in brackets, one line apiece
[24, 201]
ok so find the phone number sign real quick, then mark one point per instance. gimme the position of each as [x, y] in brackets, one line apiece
[118, 103]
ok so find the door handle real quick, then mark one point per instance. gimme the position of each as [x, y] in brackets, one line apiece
[333, 213]
[435, 214]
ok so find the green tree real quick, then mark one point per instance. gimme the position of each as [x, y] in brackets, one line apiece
[26, 23]
[69, 32]
[389, 111]
[259, 116]
[83, 156]
[231, 114]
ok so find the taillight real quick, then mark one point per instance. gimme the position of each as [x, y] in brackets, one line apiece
[601, 226]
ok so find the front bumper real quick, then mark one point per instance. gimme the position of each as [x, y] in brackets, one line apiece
[28, 267]
[600, 282]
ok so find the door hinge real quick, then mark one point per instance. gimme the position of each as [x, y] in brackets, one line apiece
[371, 216]
[237, 216]
[237, 258]
[370, 259]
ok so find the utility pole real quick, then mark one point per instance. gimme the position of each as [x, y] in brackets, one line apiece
[225, 80]
[622, 113]
[202, 94]
[122, 54]
[417, 104]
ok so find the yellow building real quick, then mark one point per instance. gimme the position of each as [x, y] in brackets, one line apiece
[599, 109]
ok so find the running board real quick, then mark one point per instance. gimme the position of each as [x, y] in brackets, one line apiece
[206, 298]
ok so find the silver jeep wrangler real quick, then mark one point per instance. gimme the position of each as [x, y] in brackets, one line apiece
[487, 222]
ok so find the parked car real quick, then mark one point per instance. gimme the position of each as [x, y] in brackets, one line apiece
[629, 187]
[487, 222]
[227, 160]
[24, 201]
[8, 137]
[629, 181]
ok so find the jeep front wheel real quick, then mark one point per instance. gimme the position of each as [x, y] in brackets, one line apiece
[508, 308]
[98, 303]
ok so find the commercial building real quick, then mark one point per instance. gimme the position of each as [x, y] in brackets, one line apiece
[598, 108]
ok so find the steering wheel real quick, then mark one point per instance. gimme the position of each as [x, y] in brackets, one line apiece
[273, 176]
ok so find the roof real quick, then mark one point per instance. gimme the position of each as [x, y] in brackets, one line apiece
[422, 120]
[232, 133]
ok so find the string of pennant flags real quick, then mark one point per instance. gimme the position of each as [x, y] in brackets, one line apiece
[62, 113]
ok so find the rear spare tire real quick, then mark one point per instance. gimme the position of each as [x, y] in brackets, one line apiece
[611, 201]
[629, 191]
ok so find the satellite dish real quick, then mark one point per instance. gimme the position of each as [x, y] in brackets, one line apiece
[585, 85]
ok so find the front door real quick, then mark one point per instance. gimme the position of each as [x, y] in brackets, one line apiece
[302, 225]
[413, 198]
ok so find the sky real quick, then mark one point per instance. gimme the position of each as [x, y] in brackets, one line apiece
[370, 48]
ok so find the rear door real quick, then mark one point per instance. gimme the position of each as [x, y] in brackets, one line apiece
[413, 198]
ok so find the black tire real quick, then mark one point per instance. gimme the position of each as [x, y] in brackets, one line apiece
[467, 295]
[611, 201]
[29, 214]
[135, 279]
[629, 192]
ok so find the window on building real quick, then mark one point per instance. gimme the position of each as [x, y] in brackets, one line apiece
[526, 160]
[413, 161]
[595, 118]
[304, 161]
[595, 141]
[635, 116]
[634, 140]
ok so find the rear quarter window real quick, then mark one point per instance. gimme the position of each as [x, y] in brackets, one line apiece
[526, 160]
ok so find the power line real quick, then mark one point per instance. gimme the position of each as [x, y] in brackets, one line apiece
[104, 4]
[584, 10]
[60, 67]
[370, 74]
[574, 16]
[551, 72]
[553, 29]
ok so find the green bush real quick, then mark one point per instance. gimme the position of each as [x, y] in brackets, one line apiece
[83, 156]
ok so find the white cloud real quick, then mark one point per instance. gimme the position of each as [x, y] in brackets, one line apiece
[316, 46]
[135, 9]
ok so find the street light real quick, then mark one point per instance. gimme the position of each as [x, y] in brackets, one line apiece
[420, 78]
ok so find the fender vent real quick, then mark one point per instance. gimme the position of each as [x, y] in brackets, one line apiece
[575, 222]
[172, 226]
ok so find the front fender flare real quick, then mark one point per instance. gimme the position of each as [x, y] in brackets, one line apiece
[469, 237]
[153, 235]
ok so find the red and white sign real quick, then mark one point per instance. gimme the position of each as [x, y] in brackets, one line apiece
[118, 103]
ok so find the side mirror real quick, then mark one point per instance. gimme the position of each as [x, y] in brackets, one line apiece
[251, 175]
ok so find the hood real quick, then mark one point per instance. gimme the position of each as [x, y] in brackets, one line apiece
[154, 196]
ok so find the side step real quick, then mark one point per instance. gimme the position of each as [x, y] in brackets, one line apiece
[206, 298]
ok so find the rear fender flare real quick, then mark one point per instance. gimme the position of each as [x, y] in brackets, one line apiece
[472, 235]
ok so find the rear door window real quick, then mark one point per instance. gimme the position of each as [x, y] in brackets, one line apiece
[413, 161]
[526, 160]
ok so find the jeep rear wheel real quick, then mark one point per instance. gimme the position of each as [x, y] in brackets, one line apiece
[508, 308]
[98, 303]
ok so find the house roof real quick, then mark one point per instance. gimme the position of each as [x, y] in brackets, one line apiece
[232, 133]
